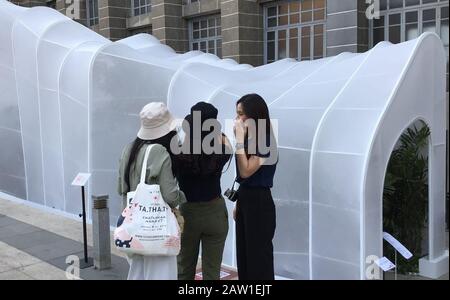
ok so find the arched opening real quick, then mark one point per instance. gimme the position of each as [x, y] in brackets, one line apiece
[406, 200]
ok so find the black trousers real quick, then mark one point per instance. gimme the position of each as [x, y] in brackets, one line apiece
[255, 228]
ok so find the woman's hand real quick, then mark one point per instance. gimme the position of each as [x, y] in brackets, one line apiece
[239, 130]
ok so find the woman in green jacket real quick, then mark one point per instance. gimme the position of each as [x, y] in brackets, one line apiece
[158, 128]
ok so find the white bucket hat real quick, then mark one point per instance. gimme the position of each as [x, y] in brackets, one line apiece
[156, 121]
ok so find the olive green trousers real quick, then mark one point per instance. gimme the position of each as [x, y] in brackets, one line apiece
[205, 224]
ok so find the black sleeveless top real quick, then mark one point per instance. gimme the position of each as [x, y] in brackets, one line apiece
[199, 175]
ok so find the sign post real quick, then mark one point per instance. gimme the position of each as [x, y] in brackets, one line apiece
[81, 180]
[398, 247]
[395, 274]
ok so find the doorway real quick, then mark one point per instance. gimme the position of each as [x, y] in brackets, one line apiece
[405, 200]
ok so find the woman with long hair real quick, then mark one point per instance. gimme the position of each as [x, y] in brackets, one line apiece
[256, 159]
[158, 129]
[205, 214]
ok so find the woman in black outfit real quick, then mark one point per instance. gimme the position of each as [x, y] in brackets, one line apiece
[205, 213]
[256, 158]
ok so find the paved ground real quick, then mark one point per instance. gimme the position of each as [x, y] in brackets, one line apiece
[35, 243]
[30, 252]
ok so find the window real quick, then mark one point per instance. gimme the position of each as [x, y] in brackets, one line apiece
[403, 20]
[295, 29]
[92, 12]
[444, 26]
[411, 25]
[205, 35]
[395, 28]
[141, 7]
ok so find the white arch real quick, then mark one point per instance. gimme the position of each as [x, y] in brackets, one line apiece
[434, 116]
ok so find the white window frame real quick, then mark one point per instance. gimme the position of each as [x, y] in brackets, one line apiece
[206, 39]
[147, 6]
[92, 20]
[299, 27]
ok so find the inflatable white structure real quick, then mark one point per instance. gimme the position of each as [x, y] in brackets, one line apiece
[69, 102]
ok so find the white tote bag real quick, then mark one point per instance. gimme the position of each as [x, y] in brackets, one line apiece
[147, 225]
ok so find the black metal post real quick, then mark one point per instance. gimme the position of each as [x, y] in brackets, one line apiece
[87, 262]
[84, 226]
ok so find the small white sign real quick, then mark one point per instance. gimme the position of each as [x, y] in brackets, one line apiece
[397, 245]
[385, 264]
[81, 179]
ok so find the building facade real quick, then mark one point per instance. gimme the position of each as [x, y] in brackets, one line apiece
[257, 32]
[261, 31]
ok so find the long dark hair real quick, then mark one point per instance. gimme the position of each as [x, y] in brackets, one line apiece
[189, 137]
[138, 143]
[199, 163]
[255, 108]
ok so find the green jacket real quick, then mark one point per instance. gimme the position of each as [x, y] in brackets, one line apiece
[159, 171]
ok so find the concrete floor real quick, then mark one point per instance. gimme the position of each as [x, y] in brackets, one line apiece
[35, 242]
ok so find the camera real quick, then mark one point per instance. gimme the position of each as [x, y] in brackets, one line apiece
[231, 194]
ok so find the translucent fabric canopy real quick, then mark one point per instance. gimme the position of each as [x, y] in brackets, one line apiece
[69, 103]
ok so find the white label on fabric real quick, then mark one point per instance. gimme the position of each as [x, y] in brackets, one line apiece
[385, 264]
[397, 245]
[81, 179]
